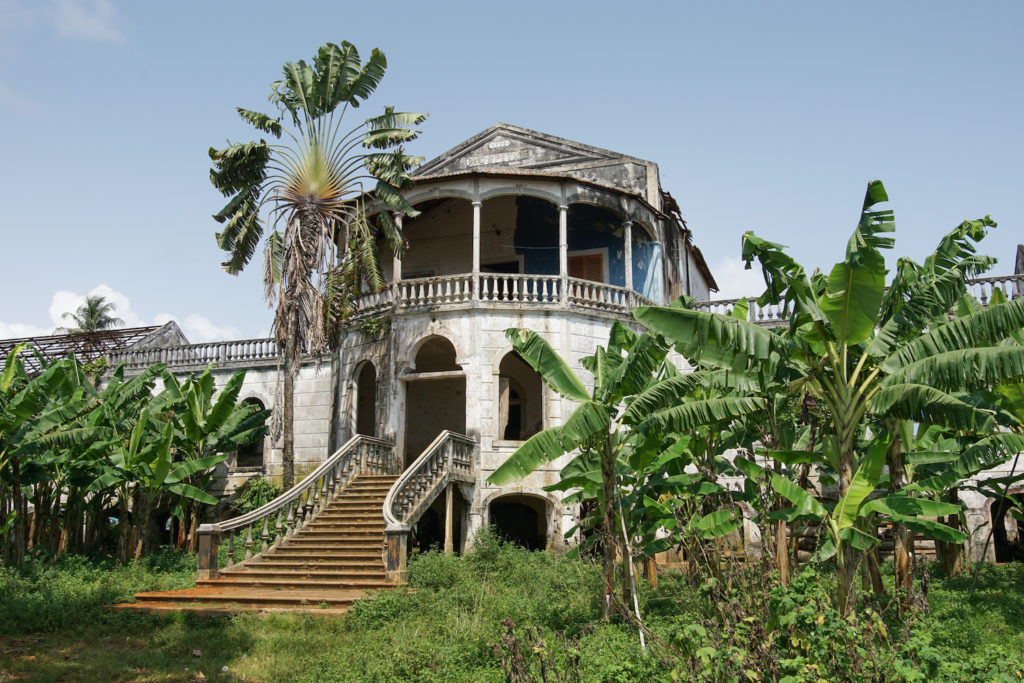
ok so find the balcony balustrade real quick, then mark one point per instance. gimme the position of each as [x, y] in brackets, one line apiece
[494, 290]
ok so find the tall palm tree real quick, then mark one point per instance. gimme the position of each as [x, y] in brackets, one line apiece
[94, 315]
[318, 190]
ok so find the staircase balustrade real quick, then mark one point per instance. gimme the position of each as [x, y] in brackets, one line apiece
[265, 527]
[449, 458]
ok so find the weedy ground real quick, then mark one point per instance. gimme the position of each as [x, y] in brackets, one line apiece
[502, 612]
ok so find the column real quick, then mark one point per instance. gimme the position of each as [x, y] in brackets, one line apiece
[563, 251]
[627, 235]
[476, 250]
[396, 265]
[449, 504]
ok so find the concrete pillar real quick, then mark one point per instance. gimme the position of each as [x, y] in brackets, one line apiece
[449, 503]
[476, 250]
[627, 236]
[396, 266]
[207, 551]
[563, 251]
[396, 551]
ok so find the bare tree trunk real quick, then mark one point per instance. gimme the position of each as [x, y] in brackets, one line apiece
[193, 527]
[901, 536]
[291, 362]
[951, 553]
[122, 529]
[608, 531]
[20, 525]
[782, 553]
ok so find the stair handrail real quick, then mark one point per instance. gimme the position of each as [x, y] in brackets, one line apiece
[449, 457]
[295, 507]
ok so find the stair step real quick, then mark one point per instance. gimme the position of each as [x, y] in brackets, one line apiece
[297, 572]
[300, 565]
[321, 568]
[297, 583]
[245, 597]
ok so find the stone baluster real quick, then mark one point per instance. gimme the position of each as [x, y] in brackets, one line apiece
[278, 528]
[248, 542]
[231, 549]
[265, 536]
[289, 520]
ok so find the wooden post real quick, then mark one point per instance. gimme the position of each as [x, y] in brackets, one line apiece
[209, 543]
[396, 551]
[449, 542]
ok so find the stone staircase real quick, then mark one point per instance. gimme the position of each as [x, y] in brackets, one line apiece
[323, 567]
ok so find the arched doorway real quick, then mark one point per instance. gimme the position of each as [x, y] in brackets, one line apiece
[366, 400]
[520, 399]
[435, 396]
[1006, 536]
[251, 455]
[521, 519]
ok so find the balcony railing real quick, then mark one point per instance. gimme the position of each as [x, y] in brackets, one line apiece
[494, 289]
[244, 350]
[498, 289]
[1012, 287]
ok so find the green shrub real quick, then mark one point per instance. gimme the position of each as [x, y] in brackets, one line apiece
[44, 595]
[254, 493]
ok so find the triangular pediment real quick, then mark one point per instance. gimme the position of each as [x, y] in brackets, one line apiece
[503, 146]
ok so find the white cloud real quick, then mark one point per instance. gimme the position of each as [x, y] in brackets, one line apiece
[734, 281]
[197, 327]
[67, 302]
[93, 20]
[15, 330]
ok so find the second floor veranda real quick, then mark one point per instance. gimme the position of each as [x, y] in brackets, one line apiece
[516, 250]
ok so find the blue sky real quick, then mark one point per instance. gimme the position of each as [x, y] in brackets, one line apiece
[762, 116]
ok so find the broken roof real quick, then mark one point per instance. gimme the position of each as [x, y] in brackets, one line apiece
[88, 346]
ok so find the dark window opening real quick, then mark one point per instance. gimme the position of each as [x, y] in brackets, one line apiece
[520, 520]
[251, 455]
[366, 401]
[1006, 535]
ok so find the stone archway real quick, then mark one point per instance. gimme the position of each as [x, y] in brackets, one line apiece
[435, 396]
[521, 519]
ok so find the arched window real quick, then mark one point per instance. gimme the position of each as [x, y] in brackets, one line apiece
[436, 355]
[251, 456]
[366, 400]
[520, 399]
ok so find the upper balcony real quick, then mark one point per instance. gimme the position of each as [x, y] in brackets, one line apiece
[514, 250]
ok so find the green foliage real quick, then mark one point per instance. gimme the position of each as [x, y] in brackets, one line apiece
[254, 493]
[81, 454]
[48, 595]
[470, 619]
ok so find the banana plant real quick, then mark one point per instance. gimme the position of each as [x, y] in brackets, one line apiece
[630, 398]
[209, 427]
[868, 353]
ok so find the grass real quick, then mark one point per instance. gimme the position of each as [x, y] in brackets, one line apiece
[502, 608]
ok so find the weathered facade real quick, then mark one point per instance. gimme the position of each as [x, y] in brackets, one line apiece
[515, 229]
